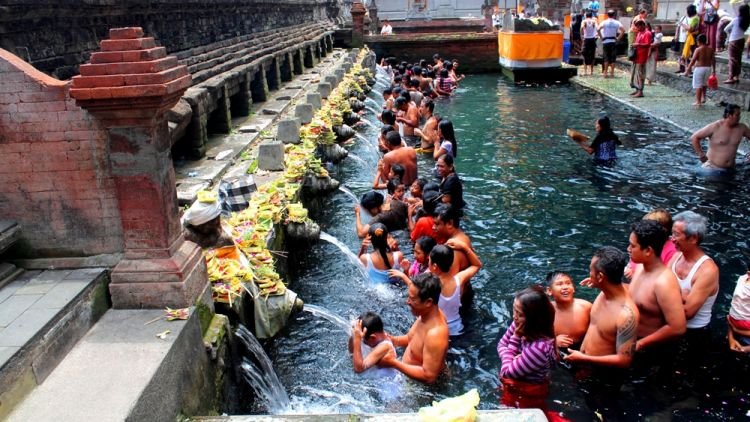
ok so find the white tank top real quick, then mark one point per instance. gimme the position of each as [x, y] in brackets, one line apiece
[589, 29]
[450, 307]
[703, 316]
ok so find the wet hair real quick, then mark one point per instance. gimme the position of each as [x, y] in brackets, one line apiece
[538, 312]
[447, 159]
[589, 14]
[448, 66]
[435, 56]
[446, 128]
[397, 79]
[414, 83]
[430, 201]
[691, 10]
[448, 213]
[421, 181]
[371, 200]
[605, 130]
[442, 256]
[401, 101]
[444, 73]
[552, 275]
[388, 117]
[423, 64]
[611, 261]
[392, 184]
[695, 224]
[372, 322]
[427, 102]
[702, 39]
[397, 90]
[385, 129]
[387, 90]
[744, 14]
[426, 243]
[430, 187]
[393, 138]
[398, 170]
[650, 234]
[379, 239]
[428, 287]
[661, 216]
[730, 109]
[431, 74]
[610, 13]
[417, 69]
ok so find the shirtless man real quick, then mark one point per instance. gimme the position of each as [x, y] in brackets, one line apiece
[724, 136]
[427, 341]
[428, 133]
[609, 344]
[447, 227]
[571, 313]
[406, 156]
[408, 116]
[611, 336]
[654, 287]
[698, 276]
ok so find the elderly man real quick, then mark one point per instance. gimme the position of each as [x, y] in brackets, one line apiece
[724, 136]
[698, 276]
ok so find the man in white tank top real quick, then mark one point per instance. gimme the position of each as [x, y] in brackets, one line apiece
[698, 276]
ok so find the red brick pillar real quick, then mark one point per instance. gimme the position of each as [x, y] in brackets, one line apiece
[128, 86]
[358, 24]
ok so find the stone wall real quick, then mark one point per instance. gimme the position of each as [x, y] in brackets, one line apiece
[57, 36]
[476, 53]
[54, 168]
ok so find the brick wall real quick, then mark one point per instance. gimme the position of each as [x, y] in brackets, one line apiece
[54, 171]
[58, 36]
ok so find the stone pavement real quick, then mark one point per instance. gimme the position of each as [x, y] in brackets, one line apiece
[662, 102]
[33, 300]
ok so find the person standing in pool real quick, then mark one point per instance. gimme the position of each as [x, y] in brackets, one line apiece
[724, 136]
[571, 313]
[604, 145]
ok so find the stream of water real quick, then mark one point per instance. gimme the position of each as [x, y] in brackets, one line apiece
[535, 203]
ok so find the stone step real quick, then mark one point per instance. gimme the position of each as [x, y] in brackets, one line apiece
[666, 75]
[43, 314]
[121, 371]
[10, 232]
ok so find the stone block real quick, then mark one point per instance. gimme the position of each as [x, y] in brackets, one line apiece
[331, 79]
[304, 112]
[288, 131]
[339, 74]
[324, 89]
[271, 155]
[314, 99]
[346, 66]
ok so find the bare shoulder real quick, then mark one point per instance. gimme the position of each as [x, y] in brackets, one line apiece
[583, 304]
[629, 311]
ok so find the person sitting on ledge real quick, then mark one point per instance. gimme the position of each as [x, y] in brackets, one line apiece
[202, 222]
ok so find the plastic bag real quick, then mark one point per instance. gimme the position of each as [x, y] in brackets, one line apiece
[713, 81]
[453, 409]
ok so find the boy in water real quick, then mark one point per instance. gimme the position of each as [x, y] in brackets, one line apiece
[571, 314]
[368, 329]
[703, 65]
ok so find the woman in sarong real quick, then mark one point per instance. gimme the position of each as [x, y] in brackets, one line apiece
[736, 30]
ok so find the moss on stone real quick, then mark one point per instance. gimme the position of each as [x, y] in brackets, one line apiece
[205, 315]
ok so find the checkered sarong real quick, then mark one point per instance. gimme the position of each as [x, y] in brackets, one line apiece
[234, 193]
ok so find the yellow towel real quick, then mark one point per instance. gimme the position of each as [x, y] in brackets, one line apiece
[686, 50]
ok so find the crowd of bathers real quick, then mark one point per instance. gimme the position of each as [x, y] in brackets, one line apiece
[653, 308]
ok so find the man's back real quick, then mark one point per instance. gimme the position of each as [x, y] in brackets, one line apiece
[601, 337]
[406, 157]
[704, 56]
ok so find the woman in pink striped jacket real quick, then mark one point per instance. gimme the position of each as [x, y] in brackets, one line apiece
[527, 351]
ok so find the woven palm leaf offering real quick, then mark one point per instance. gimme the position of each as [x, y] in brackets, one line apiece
[577, 136]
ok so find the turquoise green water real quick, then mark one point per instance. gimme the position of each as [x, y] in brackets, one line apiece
[536, 203]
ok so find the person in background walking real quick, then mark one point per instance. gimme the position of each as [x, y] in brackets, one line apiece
[736, 30]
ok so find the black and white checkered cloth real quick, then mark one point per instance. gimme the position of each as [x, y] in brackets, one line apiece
[234, 193]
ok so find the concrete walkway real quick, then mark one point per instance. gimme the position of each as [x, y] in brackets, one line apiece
[668, 104]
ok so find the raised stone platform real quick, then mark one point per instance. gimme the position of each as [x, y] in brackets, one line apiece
[122, 371]
[42, 316]
[504, 415]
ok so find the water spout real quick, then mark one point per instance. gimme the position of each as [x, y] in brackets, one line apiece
[369, 123]
[351, 194]
[349, 254]
[358, 159]
[324, 313]
[259, 374]
[375, 112]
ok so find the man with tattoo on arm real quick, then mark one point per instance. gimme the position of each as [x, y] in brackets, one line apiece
[608, 347]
